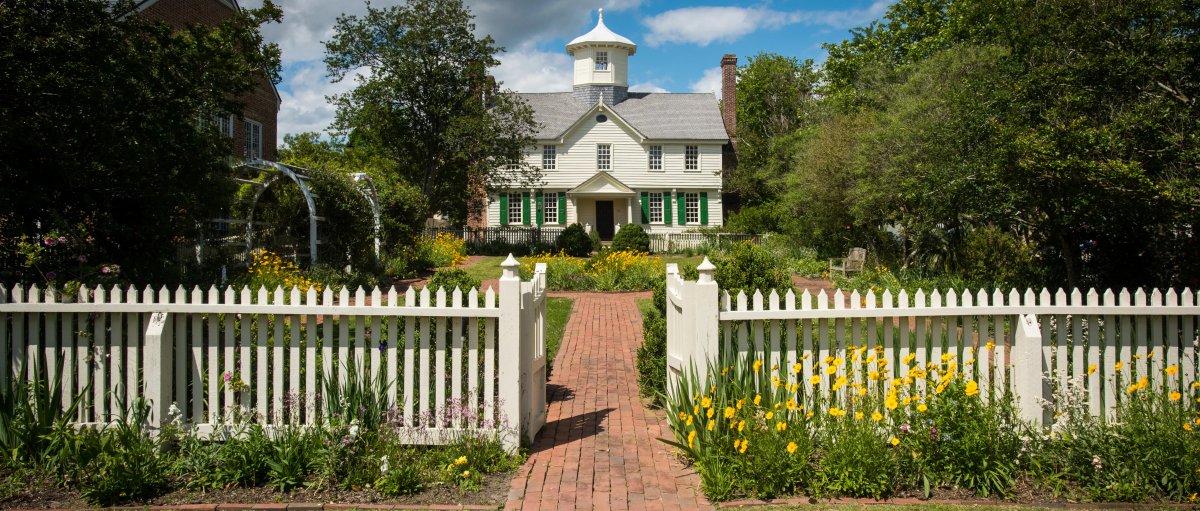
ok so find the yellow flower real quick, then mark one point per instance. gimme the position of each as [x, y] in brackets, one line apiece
[841, 382]
[757, 365]
[876, 416]
[797, 368]
[466, 473]
[791, 404]
[791, 447]
[972, 388]
[808, 414]
[1118, 366]
[757, 400]
[689, 420]
[682, 415]
[706, 402]
[711, 411]
[1187, 426]
[908, 358]
[894, 441]
[741, 425]
[946, 357]
[729, 412]
[740, 403]
[1091, 369]
[891, 402]
[858, 416]
[862, 392]
[1171, 370]
[770, 415]
[829, 359]
[939, 388]
[692, 438]
[990, 346]
[780, 426]
[1175, 396]
[837, 412]
[745, 444]
[831, 370]
[922, 408]
[874, 375]
[1133, 388]
[838, 362]
[816, 379]
[711, 425]
[696, 409]
[462, 460]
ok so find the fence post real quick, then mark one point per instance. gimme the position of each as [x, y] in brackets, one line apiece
[512, 372]
[1027, 369]
[703, 303]
[158, 365]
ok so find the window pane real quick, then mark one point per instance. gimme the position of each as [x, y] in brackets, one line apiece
[692, 158]
[692, 203]
[655, 157]
[514, 208]
[603, 157]
[550, 207]
[601, 61]
[656, 207]
[549, 157]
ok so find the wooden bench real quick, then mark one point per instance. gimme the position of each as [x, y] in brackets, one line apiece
[852, 262]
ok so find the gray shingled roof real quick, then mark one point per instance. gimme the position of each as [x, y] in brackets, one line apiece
[657, 115]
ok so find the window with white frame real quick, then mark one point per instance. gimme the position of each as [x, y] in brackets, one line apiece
[655, 157]
[515, 203]
[254, 140]
[603, 156]
[224, 124]
[691, 201]
[549, 157]
[550, 207]
[691, 158]
[601, 61]
[656, 207]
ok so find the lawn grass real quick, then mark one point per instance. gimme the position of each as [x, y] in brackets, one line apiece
[558, 311]
[644, 305]
[487, 268]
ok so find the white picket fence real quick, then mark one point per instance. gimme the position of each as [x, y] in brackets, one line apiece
[667, 243]
[453, 361]
[1042, 340]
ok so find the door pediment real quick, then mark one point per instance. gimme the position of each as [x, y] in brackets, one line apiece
[602, 184]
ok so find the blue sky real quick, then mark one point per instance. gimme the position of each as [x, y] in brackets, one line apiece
[680, 44]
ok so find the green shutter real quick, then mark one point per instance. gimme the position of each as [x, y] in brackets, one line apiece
[562, 208]
[645, 207]
[541, 208]
[703, 208]
[525, 207]
[681, 202]
[504, 209]
[667, 208]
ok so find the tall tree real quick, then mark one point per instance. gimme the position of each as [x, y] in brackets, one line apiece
[102, 124]
[425, 102]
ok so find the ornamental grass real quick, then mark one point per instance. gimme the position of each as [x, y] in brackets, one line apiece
[859, 427]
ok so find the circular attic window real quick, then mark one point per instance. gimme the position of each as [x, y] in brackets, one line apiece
[601, 118]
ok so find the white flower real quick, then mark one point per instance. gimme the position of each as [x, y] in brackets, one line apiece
[383, 464]
[174, 414]
[354, 431]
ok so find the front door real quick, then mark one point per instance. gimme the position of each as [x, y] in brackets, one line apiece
[604, 219]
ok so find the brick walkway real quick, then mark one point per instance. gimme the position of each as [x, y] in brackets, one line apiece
[599, 448]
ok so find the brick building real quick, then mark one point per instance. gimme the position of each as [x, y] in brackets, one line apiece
[254, 129]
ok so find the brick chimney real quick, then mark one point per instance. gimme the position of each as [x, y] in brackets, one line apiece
[729, 95]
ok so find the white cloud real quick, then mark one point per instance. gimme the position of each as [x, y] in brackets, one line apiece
[305, 108]
[646, 87]
[531, 70]
[705, 25]
[710, 81]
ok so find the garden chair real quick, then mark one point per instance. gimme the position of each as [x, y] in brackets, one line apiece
[852, 262]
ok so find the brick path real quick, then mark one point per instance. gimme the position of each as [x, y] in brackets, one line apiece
[599, 448]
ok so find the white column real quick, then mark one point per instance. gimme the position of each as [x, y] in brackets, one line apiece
[509, 345]
[1027, 369]
[158, 365]
[705, 318]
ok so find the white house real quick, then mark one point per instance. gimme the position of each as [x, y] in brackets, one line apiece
[610, 157]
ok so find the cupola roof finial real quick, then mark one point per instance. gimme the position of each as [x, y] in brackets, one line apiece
[600, 35]
[601, 14]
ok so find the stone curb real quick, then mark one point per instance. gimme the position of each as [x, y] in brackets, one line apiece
[295, 506]
[955, 502]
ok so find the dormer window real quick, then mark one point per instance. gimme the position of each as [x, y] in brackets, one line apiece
[601, 61]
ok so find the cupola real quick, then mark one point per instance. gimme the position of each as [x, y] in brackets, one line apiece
[601, 70]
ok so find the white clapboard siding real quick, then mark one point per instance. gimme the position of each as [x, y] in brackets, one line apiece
[217, 355]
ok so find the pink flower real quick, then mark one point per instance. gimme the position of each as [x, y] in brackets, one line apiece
[105, 270]
[228, 376]
[50, 242]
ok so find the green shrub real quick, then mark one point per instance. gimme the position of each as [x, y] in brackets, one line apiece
[450, 278]
[336, 278]
[399, 479]
[290, 460]
[652, 356]
[855, 461]
[129, 466]
[991, 255]
[597, 243]
[574, 241]
[748, 267]
[631, 237]
[355, 396]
